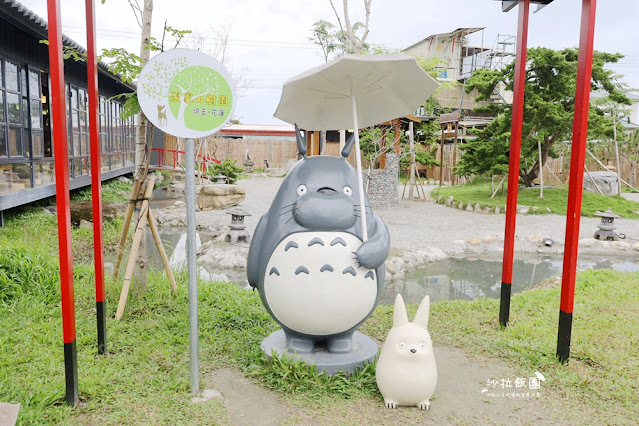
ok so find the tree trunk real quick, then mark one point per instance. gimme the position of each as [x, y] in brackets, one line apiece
[140, 143]
[533, 173]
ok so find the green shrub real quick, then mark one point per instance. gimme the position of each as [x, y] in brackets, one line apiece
[228, 168]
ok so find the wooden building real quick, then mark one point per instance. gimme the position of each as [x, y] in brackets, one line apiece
[26, 149]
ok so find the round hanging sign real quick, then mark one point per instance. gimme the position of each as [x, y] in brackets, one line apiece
[186, 93]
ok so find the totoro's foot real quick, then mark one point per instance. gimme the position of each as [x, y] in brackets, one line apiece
[299, 345]
[340, 346]
[424, 405]
[390, 403]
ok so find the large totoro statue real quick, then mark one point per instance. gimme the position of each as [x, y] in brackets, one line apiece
[315, 276]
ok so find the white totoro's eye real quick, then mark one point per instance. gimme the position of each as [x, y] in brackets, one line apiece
[348, 190]
[422, 346]
[301, 190]
[402, 345]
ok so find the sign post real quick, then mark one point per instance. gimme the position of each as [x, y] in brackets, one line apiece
[187, 94]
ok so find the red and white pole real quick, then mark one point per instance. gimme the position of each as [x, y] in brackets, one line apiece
[575, 189]
[96, 181]
[514, 159]
[59, 116]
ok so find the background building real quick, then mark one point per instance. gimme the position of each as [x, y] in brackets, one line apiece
[26, 149]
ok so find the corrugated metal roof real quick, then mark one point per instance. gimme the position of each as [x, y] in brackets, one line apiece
[17, 13]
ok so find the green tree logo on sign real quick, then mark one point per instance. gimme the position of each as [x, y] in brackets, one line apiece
[200, 97]
[186, 93]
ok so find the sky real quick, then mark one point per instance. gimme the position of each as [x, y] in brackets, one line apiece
[269, 38]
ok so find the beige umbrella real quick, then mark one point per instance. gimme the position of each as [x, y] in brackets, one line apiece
[355, 91]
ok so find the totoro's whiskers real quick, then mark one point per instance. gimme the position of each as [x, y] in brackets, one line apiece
[292, 217]
[287, 211]
[288, 205]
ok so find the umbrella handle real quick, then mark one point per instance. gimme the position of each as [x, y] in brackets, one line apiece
[360, 180]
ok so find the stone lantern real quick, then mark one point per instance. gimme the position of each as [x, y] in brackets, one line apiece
[607, 227]
[220, 178]
[237, 232]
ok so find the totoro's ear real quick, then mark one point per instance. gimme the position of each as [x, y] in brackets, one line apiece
[301, 141]
[399, 314]
[421, 317]
[348, 146]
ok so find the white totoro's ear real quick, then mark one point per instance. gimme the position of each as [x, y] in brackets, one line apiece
[421, 317]
[399, 314]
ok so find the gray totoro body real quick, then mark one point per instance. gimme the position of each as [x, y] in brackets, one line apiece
[315, 276]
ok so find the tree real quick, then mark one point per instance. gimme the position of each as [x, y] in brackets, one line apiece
[214, 42]
[347, 37]
[325, 36]
[548, 111]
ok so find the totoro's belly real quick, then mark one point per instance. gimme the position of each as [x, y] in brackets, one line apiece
[313, 284]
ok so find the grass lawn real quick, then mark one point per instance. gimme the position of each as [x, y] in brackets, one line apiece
[555, 198]
[145, 376]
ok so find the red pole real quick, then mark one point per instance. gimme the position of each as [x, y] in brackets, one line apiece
[514, 158]
[578, 157]
[96, 181]
[58, 112]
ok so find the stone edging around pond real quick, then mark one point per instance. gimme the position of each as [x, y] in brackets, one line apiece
[477, 208]
[221, 255]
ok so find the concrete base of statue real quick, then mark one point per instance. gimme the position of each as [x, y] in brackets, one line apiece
[365, 351]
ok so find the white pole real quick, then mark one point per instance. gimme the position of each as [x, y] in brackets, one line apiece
[413, 166]
[614, 132]
[360, 181]
[541, 172]
[192, 265]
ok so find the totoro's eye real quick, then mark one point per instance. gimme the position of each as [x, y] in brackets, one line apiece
[402, 345]
[301, 190]
[348, 190]
[422, 346]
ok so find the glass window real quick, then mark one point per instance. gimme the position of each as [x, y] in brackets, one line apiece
[11, 76]
[83, 121]
[74, 122]
[74, 97]
[105, 162]
[36, 114]
[85, 144]
[34, 84]
[77, 167]
[82, 99]
[37, 142]
[1, 104]
[23, 79]
[25, 114]
[13, 108]
[76, 144]
[3, 141]
[43, 173]
[15, 141]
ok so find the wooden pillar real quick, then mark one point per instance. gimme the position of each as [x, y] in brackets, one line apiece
[453, 177]
[382, 159]
[398, 129]
[441, 157]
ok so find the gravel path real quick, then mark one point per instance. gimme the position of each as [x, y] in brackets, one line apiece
[415, 225]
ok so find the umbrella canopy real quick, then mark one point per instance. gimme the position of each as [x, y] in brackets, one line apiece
[384, 87]
[357, 91]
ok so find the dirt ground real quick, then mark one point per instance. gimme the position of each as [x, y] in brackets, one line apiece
[459, 398]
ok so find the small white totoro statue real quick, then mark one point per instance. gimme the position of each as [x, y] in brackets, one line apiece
[406, 370]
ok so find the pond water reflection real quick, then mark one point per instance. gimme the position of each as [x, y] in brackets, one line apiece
[470, 278]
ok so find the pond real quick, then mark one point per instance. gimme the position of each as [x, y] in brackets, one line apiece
[470, 278]
[453, 278]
